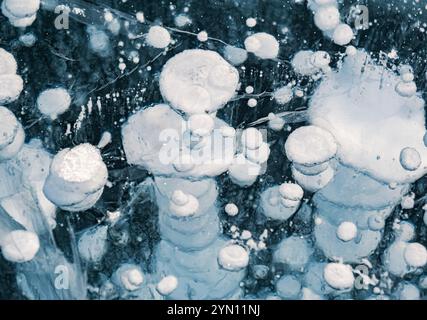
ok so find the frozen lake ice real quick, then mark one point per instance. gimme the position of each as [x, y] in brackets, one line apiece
[228, 149]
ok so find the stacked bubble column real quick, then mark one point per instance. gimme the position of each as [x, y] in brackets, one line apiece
[190, 244]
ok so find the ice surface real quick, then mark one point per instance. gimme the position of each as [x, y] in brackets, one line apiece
[207, 152]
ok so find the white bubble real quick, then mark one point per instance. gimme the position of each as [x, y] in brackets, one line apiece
[158, 37]
[339, 276]
[202, 36]
[251, 22]
[54, 102]
[231, 209]
[347, 231]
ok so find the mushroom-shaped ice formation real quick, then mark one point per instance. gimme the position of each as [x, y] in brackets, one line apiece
[158, 37]
[128, 277]
[12, 135]
[191, 243]
[77, 178]
[198, 81]
[263, 45]
[54, 102]
[310, 149]
[281, 202]
[21, 13]
[359, 176]
[246, 166]
[20, 246]
[351, 126]
[184, 155]
[155, 138]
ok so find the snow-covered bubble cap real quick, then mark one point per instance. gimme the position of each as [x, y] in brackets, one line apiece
[82, 164]
[415, 255]
[8, 63]
[198, 81]
[54, 102]
[20, 246]
[167, 285]
[263, 45]
[201, 124]
[77, 178]
[291, 191]
[339, 276]
[233, 257]
[22, 8]
[310, 145]
[252, 138]
[327, 18]
[182, 204]
[158, 37]
[11, 86]
[12, 136]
